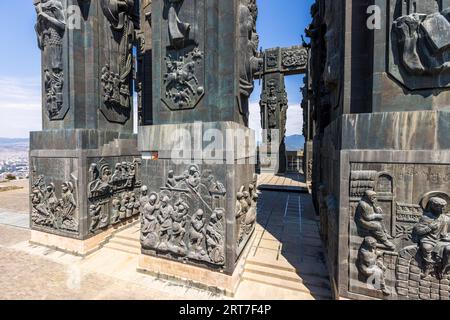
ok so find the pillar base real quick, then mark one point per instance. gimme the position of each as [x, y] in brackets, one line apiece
[78, 247]
[185, 274]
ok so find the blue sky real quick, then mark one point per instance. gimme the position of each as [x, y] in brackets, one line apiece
[281, 23]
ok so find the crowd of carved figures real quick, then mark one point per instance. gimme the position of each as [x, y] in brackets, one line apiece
[50, 29]
[185, 219]
[117, 70]
[246, 206]
[113, 194]
[419, 243]
[49, 211]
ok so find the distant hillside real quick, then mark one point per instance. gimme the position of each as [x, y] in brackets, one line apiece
[14, 141]
[295, 142]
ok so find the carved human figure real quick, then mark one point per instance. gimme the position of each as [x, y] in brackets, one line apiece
[250, 218]
[123, 22]
[117, 175]
[123, 206]
[95, 215]
[165, 223]
[115, 212]
[370, 264]
[130, 205]
[197, 232]
[172, 180]
[178, 227]
[215, 239]
[45, 205]
[68, 206]
[369, 217]
[249, 62]
[433, 236]
[50, 28]
[193, 177]
[149, 218]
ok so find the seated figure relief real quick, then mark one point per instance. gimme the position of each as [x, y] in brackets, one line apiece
[370, 264]
[433, 238]
[369, 218]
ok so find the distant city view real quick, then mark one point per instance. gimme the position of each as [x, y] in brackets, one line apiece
[14, 159]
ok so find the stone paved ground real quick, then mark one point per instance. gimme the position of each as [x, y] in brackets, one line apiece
[286, 262]
[16, 200]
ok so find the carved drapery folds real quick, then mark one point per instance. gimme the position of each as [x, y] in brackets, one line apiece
[249, 60]
[117, 69]
[185, 220]
[49, 211]
[420, 41]
[112, 194]
[183, 71]
[50, 29]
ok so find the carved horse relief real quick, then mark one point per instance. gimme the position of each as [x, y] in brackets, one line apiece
[183, 67]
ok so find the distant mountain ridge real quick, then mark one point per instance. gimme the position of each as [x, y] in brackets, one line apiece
[11, 141]
[295, 142]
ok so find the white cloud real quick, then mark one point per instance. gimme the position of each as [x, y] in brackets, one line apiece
[294, 120]
[20, 106]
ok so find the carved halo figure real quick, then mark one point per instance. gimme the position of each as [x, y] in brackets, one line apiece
[369, 217]
[433, 236]
[369, 264]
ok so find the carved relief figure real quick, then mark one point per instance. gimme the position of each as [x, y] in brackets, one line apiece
[182, 86]
[246, 212]
[274, 107]
[423, 42]
[50, 29]
[370, 263]
[249, 60]
[67, 207]
[369, 217]
[114, 193]
[149, 218]
[197, 233]
[433, 236]
[215, 239]
[166, 212]
[178, 225]
[116, 77]
[51, 212]
[179, 215]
